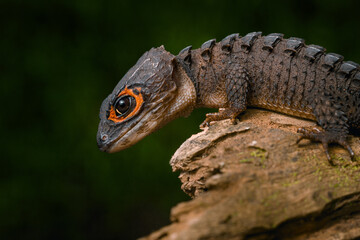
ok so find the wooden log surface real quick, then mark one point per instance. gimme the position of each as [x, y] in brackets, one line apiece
[252, 181]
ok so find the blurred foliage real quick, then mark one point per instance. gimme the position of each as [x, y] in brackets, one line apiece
[60, 59]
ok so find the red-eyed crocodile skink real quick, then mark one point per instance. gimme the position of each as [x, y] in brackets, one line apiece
[270, 72]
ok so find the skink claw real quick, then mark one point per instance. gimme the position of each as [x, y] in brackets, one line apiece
[326, 137]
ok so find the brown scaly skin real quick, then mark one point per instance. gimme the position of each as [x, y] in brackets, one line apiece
[283, 75]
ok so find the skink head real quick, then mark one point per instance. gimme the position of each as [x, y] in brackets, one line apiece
[140, 103]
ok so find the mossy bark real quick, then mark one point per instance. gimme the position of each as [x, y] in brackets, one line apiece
[252, 181]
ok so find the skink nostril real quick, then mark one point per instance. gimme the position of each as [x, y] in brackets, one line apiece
[104, 137]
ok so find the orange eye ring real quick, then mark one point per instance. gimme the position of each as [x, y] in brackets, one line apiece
[138, 99]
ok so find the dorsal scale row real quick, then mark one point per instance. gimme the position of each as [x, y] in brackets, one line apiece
[293, 45]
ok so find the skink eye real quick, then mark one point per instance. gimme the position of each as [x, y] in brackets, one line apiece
[123, 105]
[127, 104]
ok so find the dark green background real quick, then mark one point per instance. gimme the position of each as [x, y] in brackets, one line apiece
[60, 59]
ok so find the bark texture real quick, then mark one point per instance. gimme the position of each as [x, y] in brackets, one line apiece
[252, 181]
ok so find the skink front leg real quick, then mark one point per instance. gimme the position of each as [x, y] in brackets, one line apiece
[237, 84]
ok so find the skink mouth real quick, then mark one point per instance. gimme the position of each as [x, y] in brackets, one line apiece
[103, 148]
